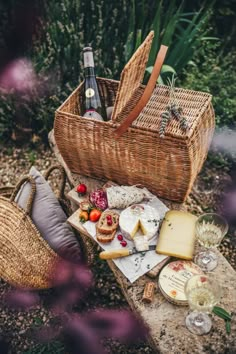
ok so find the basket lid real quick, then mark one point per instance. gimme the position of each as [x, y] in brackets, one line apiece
[130, 91]
[131, 79]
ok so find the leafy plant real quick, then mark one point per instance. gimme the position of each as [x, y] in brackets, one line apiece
[182, 32]
[66, 26]
[216, 75]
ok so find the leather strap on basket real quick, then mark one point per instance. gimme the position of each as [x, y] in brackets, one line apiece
[146, 94]
[62, 178]
[32, 192]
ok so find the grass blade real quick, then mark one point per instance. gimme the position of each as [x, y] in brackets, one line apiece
[156, 25]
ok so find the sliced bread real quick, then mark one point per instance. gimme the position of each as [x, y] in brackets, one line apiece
[105, 238]
[104, 226]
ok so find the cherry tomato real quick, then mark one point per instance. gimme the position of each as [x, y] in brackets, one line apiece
[95, 215]
[83, 216]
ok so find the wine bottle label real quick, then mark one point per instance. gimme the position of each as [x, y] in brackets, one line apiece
[88, 60]
[89, 92]
[91, 113]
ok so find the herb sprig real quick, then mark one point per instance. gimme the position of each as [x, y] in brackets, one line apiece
[222, 313]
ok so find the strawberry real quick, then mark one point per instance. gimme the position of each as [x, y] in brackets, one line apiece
[81, 189]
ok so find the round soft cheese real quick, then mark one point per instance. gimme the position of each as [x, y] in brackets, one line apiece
[139, 217]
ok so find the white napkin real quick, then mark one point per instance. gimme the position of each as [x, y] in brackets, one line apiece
[136, 265]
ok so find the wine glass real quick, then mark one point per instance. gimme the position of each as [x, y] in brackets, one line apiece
[210, 230]
[203, 292]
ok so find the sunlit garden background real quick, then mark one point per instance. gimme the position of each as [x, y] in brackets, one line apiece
[41, 64]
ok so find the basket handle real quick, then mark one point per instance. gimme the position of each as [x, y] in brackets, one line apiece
[146, 94]
[62, 181]
[32, 192]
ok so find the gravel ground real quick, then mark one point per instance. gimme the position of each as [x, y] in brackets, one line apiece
[17, 326]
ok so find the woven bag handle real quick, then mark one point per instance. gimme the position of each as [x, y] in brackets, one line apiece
[146, 94]
[32, 192]
[62, 180]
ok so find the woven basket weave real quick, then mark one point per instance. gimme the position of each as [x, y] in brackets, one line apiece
[166, 166]
[26, 260]
[87, 246]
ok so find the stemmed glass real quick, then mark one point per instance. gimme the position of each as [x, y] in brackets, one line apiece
[203, 293]
[210, 230]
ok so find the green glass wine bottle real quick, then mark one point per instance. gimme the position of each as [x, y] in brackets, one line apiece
[93, 106]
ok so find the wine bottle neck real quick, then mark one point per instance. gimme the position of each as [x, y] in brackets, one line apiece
[88, 59]
[89, 71]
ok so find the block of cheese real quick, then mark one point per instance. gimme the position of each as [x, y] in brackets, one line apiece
[139, 217]
[177, 235]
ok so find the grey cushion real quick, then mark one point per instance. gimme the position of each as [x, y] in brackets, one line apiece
[50, 219]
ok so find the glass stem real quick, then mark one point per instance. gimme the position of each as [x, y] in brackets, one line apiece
[198, 320]
[206, 258]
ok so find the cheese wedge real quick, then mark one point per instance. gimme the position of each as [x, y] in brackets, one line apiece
[139, 216]
[177, 235]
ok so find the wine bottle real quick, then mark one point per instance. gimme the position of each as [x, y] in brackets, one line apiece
[93, 106]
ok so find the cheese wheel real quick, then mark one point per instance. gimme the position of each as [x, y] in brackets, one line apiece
[139, 216]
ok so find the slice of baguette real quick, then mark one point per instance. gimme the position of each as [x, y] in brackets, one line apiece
[105, 238]
[102, 226]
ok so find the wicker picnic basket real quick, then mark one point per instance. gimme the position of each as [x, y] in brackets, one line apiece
[26, 260]
[130, 151]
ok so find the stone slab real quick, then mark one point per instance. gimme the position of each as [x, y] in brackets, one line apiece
[165, 320]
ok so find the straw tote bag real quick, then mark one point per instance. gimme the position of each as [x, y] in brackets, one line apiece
[26, 260]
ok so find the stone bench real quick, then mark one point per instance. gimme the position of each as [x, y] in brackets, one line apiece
[165, 320]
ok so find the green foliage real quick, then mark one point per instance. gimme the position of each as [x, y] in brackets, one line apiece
[6, 114]
[182, 32]
[224, 24]
[216, 75]
[54, 347]
[32, 157]
[67, 25]
[219, 161]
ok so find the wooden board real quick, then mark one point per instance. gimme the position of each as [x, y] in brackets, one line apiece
[74, 197]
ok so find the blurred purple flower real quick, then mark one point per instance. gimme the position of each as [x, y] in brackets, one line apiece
[66, 273]
[84, 333]
[62, 273]
[82, 276]
[18, 75]
[225, 141]
[81, 338]
[228, 205]
[66, 299]
[46, 334]
[72, 281]
[118, 324]
[23, 299]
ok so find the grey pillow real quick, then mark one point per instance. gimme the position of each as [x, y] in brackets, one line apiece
[49, 218]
